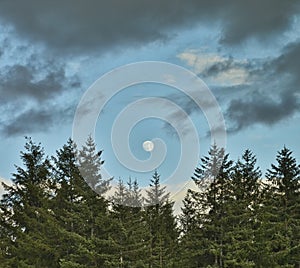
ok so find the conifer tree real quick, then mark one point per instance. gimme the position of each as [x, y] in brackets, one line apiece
[134, 196]
[82, 215]
[241, 212]
[285, 175]
[161, 224]
[217, 197]
[90, 163]
[192, 240]
[120, 195]
[278, 234]
[156, 195]
[208, 209]
[25, 219]
[133, 234]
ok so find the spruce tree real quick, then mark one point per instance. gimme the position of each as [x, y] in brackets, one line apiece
[217, 196]
[156, 195]
[161, 224]
[207, 207]
[128, 211]
[27, 225]
[120, 195]
[82, 214]
[134, 194]
[241, 210]
[191, 241]
[278, 234]
[90, 163]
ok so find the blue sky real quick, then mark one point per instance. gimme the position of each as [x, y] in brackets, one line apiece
[247, 53]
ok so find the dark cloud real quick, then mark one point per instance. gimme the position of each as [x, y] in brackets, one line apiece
[33, 120]
[80, 26]
[261, 109]
[270, 92]
[19, 81]
[289, 61]
[258, 19]
[275, 92]
[30, 96]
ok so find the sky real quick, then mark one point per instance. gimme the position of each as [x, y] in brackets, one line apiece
[246, 54]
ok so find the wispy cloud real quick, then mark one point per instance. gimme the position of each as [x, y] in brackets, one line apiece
[275, 92]
[32, 120]
[264, 91]
[216, 69]
[31, 89]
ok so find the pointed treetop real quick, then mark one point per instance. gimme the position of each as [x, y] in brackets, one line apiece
[157, 194]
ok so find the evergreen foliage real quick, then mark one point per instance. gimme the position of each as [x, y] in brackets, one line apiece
[54, 214]
[161, 225]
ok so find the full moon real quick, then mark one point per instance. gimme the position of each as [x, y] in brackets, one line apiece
[148, 146]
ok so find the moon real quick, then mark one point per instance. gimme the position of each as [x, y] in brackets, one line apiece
[148, 146]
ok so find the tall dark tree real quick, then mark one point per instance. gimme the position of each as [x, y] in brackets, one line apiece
[207, 208]
[161, 224]
[127, 209]
[82, 215]
[241, 210]
[26, 223]
[120, 195]
[134, 195]
[156, 195]
[278, 234]
[285, 175]
[192, 237]
[90, 164]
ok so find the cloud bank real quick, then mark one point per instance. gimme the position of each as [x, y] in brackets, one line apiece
[255, 91]
[30, 97]
[30, 89]
[77, 26]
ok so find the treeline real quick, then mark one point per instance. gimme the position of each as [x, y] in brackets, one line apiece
[55, 215]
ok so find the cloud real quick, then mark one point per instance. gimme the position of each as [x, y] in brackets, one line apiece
[262, 109]
[275, 92]
[216, 69]
[257, 19]
[31, 93]
[253, 91]
[19, 81]
[75, 26]
[289, 61]
[34, 120]
[178, 195]
[34, 75]
[200, 61]
[62, 28]
[189, 106]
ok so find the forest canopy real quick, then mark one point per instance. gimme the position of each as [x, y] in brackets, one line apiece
[55, 214]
